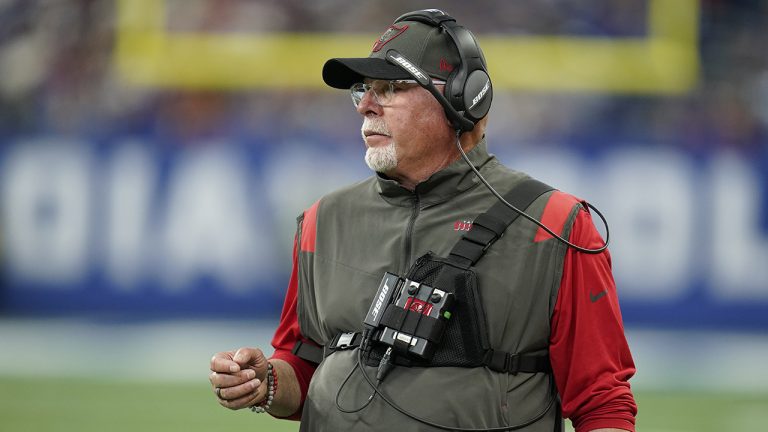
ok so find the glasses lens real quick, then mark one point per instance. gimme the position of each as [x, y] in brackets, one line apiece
[358, 91]
[383, 91]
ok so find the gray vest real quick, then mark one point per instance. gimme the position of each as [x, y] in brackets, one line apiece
[377, 226]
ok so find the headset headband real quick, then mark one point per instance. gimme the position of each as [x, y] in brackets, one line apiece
[468, 89]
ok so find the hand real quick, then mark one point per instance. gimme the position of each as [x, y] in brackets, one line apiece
[240, 377]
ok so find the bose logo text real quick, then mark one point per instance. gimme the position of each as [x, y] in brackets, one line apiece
[410, 67]
[482, 93]
[380, 300]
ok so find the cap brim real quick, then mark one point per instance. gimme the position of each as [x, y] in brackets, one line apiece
[341, 73]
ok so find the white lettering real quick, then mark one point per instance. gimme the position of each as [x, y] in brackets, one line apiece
[46, 185]
[739, 251]
[482, 93]
[673, 228]
[130, 182]
[211, 229]
[410, 67]
[380, 300]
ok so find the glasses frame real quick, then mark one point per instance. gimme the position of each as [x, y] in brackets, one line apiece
[358, 90]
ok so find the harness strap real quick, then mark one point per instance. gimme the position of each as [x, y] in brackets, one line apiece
[490, 226]
[412, 323]
[495, 360]
[501, 361]
[307, 351]
[316, 353]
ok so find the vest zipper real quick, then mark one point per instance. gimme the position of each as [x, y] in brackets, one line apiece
[409, 230]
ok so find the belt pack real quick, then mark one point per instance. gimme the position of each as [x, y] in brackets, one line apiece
[465, 337]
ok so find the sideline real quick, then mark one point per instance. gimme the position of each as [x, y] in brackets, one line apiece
[180, 350]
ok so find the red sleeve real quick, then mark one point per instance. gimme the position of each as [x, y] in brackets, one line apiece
[589, 352]
[288, 332]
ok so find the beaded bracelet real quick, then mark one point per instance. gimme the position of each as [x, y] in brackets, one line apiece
[264, 405]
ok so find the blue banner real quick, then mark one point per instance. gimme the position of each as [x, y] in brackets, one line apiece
[130, 226]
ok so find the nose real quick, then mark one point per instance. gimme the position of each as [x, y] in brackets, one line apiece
[368, 104]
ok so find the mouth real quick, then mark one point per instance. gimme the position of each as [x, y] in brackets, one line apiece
[368, 133]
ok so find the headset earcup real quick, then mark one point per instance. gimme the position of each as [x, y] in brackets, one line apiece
[468, 87]
[453, 89]
[478, 94]
[455, 99]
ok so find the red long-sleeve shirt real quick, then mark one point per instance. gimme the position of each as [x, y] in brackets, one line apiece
[590, 357]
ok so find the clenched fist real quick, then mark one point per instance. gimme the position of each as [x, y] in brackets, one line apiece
[238, 378]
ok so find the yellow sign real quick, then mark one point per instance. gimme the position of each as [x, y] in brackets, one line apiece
[663, 62]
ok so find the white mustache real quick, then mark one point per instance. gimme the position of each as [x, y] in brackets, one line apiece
[373, 126]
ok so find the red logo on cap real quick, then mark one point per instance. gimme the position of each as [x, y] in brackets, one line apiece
[391, 33]
[445, 66]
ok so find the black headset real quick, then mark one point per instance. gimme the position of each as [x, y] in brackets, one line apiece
[468, 90]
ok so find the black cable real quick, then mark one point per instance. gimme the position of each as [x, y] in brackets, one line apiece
[530, 218]
[338, 393]
[363, 344]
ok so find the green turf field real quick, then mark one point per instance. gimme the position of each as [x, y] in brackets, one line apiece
[80, 405]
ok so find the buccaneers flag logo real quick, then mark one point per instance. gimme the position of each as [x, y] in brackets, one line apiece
[391, 33]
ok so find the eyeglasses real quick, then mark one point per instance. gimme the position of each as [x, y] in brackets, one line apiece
[383, 91]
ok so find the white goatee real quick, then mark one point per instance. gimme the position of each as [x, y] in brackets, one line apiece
[379, 159]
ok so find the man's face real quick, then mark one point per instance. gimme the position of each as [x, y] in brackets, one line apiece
[408, 137]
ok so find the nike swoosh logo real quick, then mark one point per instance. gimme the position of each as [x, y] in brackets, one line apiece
[596, 297]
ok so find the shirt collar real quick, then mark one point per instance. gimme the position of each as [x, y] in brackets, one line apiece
[440, 186]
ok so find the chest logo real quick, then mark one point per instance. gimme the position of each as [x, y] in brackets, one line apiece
[462, 225]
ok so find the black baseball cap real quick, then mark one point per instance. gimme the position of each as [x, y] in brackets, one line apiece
[426, 46]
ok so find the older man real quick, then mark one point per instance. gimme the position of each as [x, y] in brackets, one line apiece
[532, 332]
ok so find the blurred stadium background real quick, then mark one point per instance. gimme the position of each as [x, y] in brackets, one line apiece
[155, 153]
